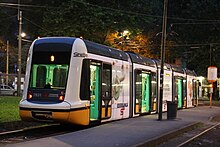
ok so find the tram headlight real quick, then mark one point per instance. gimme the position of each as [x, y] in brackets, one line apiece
[61, 96]
[30, 95]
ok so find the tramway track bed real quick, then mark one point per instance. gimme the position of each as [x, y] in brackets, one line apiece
[206, 134]
[32, 133]
[17, 125]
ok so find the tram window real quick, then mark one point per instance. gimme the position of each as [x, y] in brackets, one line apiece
[41, 76]
[59, 77]
[138, 90]
[106, 82]
[85, 81]
[153, 101]
[53, 74]
[195, 85]
[153, 86]
[184, 88]
[176, 89]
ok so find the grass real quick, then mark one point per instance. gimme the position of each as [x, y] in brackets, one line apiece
[9, 109]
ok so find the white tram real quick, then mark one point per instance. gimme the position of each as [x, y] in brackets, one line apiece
[70, 80]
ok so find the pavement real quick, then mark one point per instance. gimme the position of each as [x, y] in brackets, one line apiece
[134, 132]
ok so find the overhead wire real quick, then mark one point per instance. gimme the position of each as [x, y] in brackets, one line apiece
[11, 5]
[9, 17]
[36, 24]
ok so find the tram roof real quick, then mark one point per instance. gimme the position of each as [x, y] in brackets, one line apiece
[190, 72]
[135, 58]
[177, 69]
[54, 43]
[166, 66]
[103, 50]
[67, 42]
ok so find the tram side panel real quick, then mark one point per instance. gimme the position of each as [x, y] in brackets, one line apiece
[144, 89]
[79, 104]
[120, 89]
[119, 101]
[189, 91]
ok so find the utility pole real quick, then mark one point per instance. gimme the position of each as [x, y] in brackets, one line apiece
[210, 47]
[7, 61]
[163, 43]
[19, 54]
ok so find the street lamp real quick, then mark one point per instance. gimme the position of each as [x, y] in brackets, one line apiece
[19, 54]
[163, 43]
[23, 34]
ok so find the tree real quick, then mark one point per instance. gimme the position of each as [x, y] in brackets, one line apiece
[93, 20]
[197, 26]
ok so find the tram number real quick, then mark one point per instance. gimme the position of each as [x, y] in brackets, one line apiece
[37, 94]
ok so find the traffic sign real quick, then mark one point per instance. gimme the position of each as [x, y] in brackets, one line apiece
[212, 74]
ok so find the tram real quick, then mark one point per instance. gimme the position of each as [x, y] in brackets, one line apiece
[70, 80]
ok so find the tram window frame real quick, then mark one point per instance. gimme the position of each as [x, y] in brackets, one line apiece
[184, 88]
[41, 76]
[153, 88]
[106, 90]
[140, 72]
[138, 90]
[109, 80]
[85, 80]
[195, 85]
[59, 81]
[175, 90]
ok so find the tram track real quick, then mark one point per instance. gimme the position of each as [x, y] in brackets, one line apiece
[32, 133]
[198, 135]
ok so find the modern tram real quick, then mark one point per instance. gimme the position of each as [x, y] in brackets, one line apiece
[71, 80]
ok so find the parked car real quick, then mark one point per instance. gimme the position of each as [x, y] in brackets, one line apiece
[7, 90]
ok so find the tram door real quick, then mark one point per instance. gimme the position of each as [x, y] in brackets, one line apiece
[179, 92]
[94, 91]
[142, 92]
[106, 91]
[153, 92]
[195, 92]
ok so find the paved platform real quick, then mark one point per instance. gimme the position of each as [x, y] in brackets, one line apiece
[140, 131]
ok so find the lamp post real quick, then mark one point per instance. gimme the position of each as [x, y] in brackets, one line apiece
[163, 43]
[19, 54]
[7, 61]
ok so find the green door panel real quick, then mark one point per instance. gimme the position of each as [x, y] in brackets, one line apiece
[180, 92]
[95, 89]
[145, 107]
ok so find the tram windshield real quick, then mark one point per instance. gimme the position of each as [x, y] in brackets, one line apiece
[49, 70]
[49, 76]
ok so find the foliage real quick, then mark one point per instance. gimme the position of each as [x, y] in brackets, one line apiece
[135, 42]
[9, 108]
[93, 21]
[197, 26]
[191, 23]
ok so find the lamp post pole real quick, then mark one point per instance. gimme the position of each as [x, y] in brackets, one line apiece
[19, 55]
[7, 61]
[163, 43]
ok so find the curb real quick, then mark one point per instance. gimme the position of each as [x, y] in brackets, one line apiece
[153, 142]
